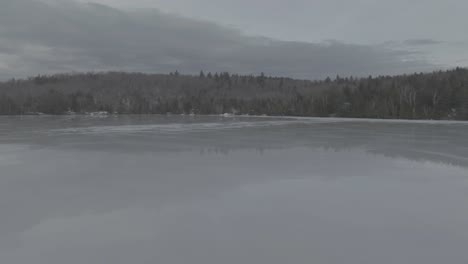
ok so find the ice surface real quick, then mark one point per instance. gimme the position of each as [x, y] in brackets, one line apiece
[209, 190]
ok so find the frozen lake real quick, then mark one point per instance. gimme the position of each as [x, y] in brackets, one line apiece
[214, 190]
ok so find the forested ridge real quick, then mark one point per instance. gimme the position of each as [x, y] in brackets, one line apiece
[437, 95]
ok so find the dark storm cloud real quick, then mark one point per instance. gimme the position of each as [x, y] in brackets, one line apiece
[43, 38]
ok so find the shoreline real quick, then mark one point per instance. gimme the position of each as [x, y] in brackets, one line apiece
[232, 116]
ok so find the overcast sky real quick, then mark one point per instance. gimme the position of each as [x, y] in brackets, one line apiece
[301, 38]
[357, 21]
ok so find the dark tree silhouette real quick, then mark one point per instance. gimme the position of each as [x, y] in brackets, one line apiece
[437, 95]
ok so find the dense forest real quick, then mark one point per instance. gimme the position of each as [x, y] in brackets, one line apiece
[437, 95]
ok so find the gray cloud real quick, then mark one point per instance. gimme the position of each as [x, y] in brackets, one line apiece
[421, 42]
[358, 21]
[36, 37]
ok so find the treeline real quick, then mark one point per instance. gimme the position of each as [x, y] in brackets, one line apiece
[437, 95]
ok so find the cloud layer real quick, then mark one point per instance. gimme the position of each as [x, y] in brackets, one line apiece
[38, 37]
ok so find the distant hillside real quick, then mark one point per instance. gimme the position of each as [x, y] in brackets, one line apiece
[437, 95]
